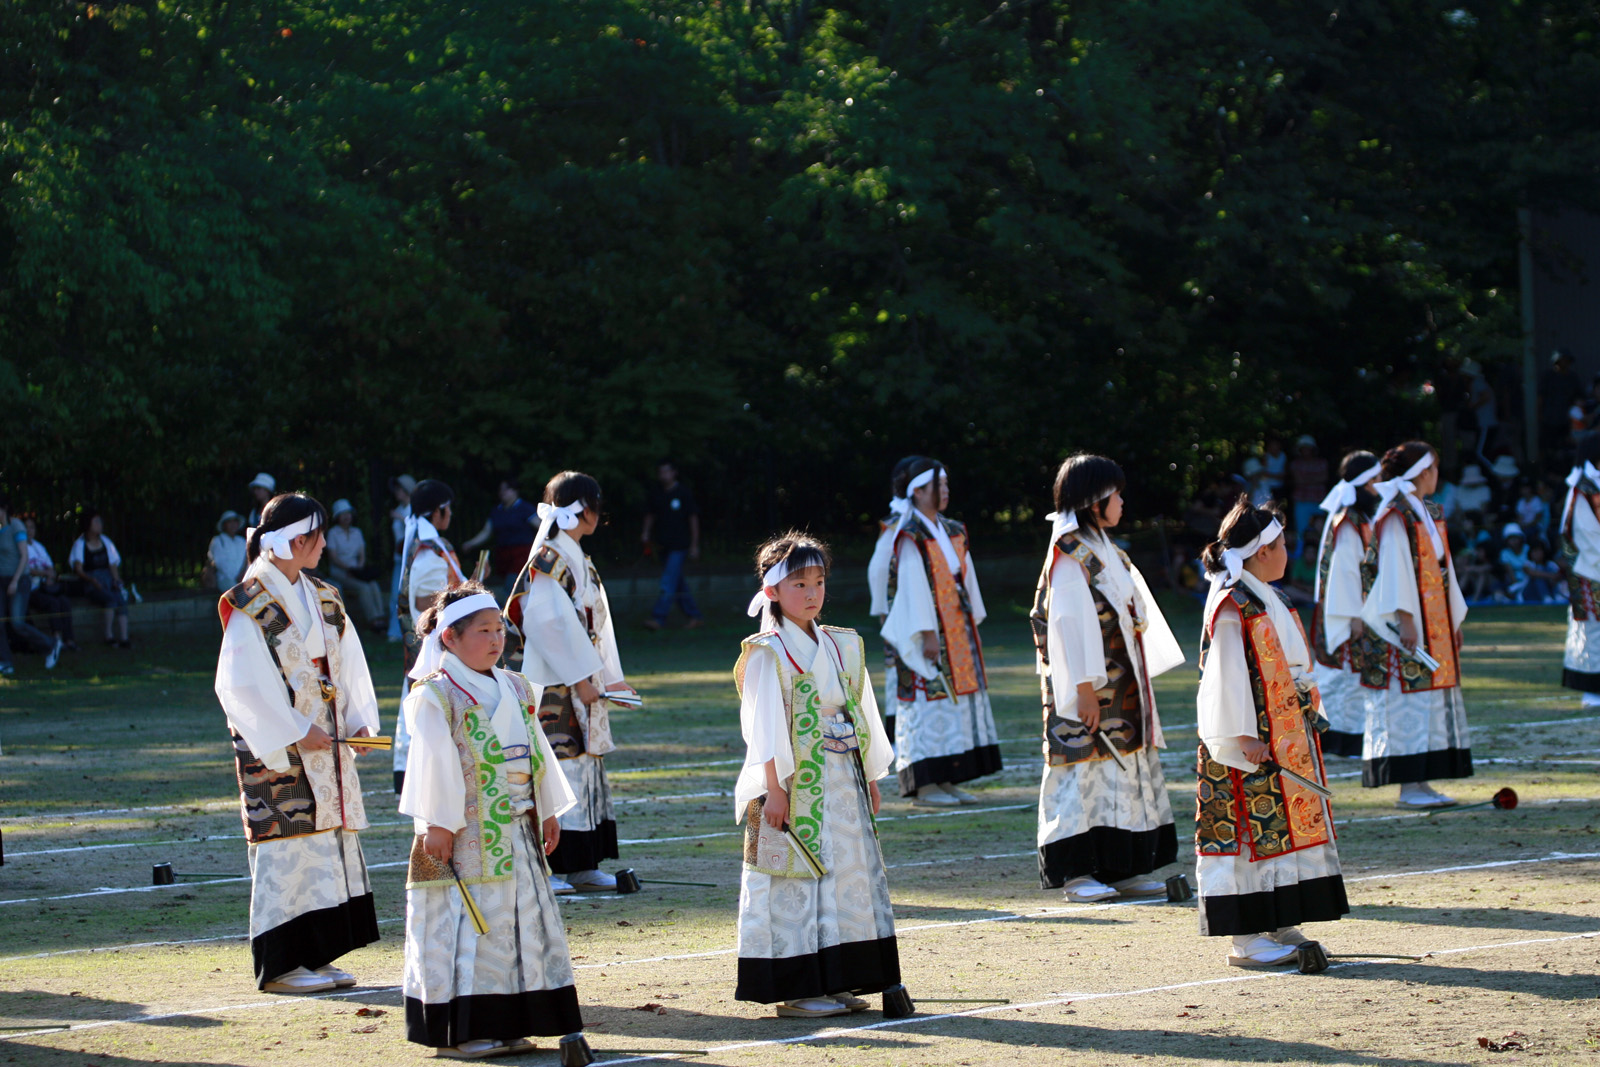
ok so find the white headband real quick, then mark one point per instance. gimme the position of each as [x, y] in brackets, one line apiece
[1405, 486]
[1587, 471]
[921, 480]
[1233, 558]
[775, 574]
[1065, 522]
[431, 654]
[281, 542]
[1343, 494]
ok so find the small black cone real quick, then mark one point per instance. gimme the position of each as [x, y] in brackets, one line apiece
[161, 874]
[1313, 960]
[1178, 889]
[897, 1003]
[575, 1051]
[627, 881]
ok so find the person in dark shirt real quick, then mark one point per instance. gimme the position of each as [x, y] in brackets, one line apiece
[511, 524]
[672, 522]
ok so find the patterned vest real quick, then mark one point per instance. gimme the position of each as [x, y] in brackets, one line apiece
[1581, 592]
[571, 733]
[1357, 654]
[483, 850]
[766, 850]
[1270, 813]
[960, 653]
[320, 790]
[1121, 701]
[1432, 575]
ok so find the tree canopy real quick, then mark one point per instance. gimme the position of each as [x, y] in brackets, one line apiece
[784, 241]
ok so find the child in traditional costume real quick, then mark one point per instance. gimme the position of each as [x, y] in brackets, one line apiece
[945, 727]
[571, 649]
[428, 567]
[293, 682]
[1580, 548]
[878, 576]
[1338, 638]
[1416, 726]
[1105, 821]
[1264, 836]
[815, 925]
[483, 786]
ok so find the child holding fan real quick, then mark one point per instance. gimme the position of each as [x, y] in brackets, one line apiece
[486, 960]
[815, 925]
[1263, 829]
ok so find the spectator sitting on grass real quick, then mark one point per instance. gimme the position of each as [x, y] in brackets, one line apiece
[1531, 512]
[1544, 578]
[48, 601]
[347, 566]
[95, 560]
[1514, 558]
[1477, 576]
[226, 555]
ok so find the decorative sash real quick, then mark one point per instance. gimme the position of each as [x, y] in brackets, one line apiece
[765, 849]
[1271, 812]
[1122, 700]
[483, 850]
[309, 797]
[573, 732]
[1432, 576]
[960, 651]
[1356, 654]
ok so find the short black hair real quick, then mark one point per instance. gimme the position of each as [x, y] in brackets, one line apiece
[429, 496]
[569, 486]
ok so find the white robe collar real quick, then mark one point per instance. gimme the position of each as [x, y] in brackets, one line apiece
[818, 657]
[293, 596]
[1290, 636]
[578, 563]
[496, 692]
[935, 526]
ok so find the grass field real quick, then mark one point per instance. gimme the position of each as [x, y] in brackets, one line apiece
[120, 760]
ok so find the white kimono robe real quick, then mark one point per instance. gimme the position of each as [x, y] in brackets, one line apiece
[808, 937]
[1410, 737]
[952, 739]
[1343, 699]
[1095, 818]
[1581, 664]
[516, 980]
[310, 899]
[560, 653]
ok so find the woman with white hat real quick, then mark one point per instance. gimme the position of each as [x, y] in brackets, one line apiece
[347, 566]
[262, 486]
[227, 554]
[293, 682]
[571, 649]
[1416, 716]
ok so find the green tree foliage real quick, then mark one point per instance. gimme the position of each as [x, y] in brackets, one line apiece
[785, 241]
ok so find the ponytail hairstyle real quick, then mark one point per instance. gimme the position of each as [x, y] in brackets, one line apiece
[900, 477]
[1354, 465]
[1242, 524]
[429, 496]
[428, 620]
[569, 486]
[799, 550]
[285, 509]
[1400, 458]
[1084, 483]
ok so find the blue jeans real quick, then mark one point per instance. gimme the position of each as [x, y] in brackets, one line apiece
[31, 639]
[108, 594]
[394, 603]
[673, 586]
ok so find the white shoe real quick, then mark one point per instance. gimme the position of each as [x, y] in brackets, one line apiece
[1289, 935]
[1140, 885]
[341, 978]
[1420, 796]
[591, 880]
[298, 980]
[931, 796]
[1262, 951]
[960, 794]
[54, 655]
[811, 1008]
[560, 886]
[851, 1001]
[1088, 890]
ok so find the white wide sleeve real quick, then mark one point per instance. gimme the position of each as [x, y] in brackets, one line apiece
[1161, 649]
[913, 613]
[359, 702]
[558, 649]
[75, 553]
[1395, 588]
[1458, 600]
[610, 658]
[1076, 651]
[765, 726]
[430, 575]
[435, 793]
[969, 578]
[113, 557]
[253, 695]
[1341, 595]
[1586, 536]
[552, 792]
[878, 574]
[1227, 710]
[880, 750]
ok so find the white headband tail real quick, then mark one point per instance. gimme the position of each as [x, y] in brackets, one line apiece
[280, 542]
[775, 574]
[431, 654]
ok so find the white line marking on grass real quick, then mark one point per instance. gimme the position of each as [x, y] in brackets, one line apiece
[887, 1024]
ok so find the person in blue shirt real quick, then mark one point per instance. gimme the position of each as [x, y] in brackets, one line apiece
[511, 525]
